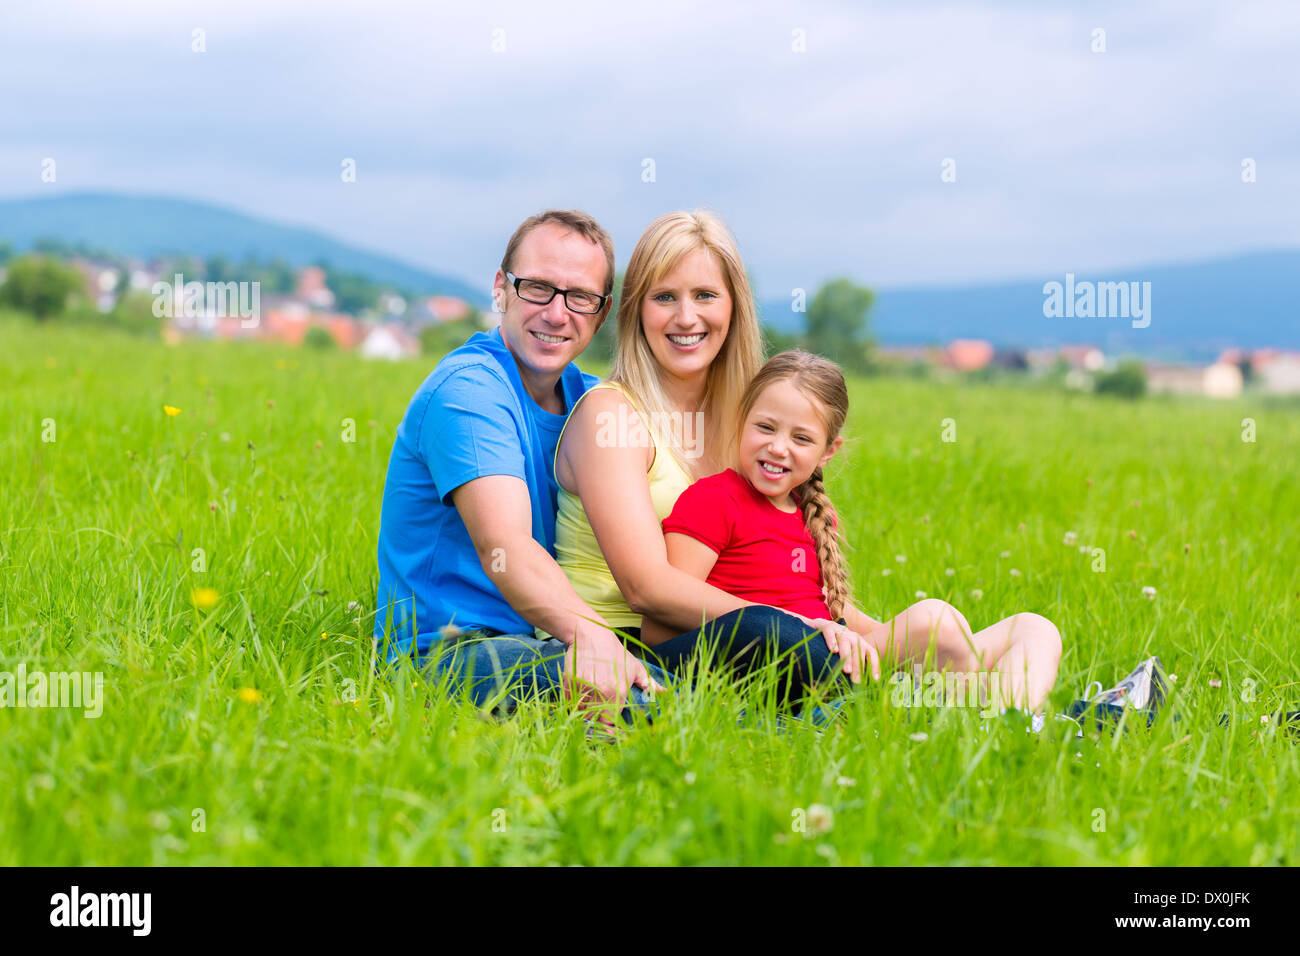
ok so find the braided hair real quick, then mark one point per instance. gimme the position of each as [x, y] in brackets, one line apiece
[822, 380]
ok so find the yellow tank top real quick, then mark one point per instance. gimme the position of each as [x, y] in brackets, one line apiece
[576, 549]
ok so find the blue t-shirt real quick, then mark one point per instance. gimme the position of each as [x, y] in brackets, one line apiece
[470, 418]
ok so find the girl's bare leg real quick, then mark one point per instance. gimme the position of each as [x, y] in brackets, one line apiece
[1024, 649]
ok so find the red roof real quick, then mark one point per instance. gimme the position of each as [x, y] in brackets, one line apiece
[967, 355]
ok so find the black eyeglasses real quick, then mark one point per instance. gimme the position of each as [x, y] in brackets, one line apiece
[540, 293]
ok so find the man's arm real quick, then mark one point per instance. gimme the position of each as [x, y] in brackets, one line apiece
[497, 512]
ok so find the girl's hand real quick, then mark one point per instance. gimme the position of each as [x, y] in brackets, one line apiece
[851, 647]
[854, 649]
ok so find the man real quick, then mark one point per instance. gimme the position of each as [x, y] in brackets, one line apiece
[467, 529]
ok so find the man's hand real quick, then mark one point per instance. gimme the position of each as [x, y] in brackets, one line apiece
[601, 671]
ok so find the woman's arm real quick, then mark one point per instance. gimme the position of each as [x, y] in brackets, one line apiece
[609, 476]
[686, 554]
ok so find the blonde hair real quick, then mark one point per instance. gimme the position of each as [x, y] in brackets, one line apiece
[821, 380]
[664, 244]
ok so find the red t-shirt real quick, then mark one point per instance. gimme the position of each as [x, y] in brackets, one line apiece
[765, 555]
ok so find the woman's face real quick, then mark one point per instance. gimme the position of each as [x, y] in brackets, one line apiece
[686, 315]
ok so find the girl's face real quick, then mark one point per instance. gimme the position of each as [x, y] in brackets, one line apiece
[686, 315]
[782, 440]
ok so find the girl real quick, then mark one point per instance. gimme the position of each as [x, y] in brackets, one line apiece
[765, 531]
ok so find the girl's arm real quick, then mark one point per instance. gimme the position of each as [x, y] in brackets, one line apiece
[857, 621]
[610, 479]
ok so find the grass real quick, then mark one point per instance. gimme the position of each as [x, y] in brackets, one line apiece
[255, 732]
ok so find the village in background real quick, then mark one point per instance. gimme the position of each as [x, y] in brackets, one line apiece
[316, 307]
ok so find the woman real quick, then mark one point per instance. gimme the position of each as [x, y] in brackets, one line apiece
[688, 344]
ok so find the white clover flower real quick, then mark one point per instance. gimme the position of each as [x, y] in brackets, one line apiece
[1071, 538]
[1015, 572]
[949, 571]
[920, 594]
[1005, 554]
[977, 594]
[821, 818]
[920, 736]
[885, 572]
[900, 558]
[1149, 593]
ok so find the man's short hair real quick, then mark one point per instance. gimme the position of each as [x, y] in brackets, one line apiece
[580, 223]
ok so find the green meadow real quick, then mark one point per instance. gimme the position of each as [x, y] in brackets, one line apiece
[217, 567]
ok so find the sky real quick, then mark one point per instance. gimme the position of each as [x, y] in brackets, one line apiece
[820, 132]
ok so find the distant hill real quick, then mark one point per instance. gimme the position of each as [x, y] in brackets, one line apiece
[1197, 309]
[151, 226]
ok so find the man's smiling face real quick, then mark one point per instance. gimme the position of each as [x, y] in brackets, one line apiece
[544, 339]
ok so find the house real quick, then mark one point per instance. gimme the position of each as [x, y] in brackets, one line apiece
[1181, 379]
[905, 354]
[968, 355]
[431, 309]
[1088, 358]
[448, 308]
[1220, 380]
[290, 321]
[312, 288]
[100, 282]
[391, 341]
[1274, 371]
[1279, 374]
[1016, 360]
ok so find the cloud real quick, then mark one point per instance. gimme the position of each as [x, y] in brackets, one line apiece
[825, 161]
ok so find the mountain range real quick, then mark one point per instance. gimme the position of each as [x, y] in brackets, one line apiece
[1193, 309]
[148, 226]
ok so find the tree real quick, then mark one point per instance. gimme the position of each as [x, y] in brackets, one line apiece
[603, 343]
[319, 338]
[40, 286]
[439, 338]
[776, 341]
[1129, 380]
[837, 323]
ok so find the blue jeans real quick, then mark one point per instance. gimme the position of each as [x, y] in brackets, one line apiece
[751, 638]
[503, 669]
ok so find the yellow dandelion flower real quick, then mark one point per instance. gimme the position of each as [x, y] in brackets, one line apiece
[322, 635]
[171, 410]
[250, 695]
[205, 598]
